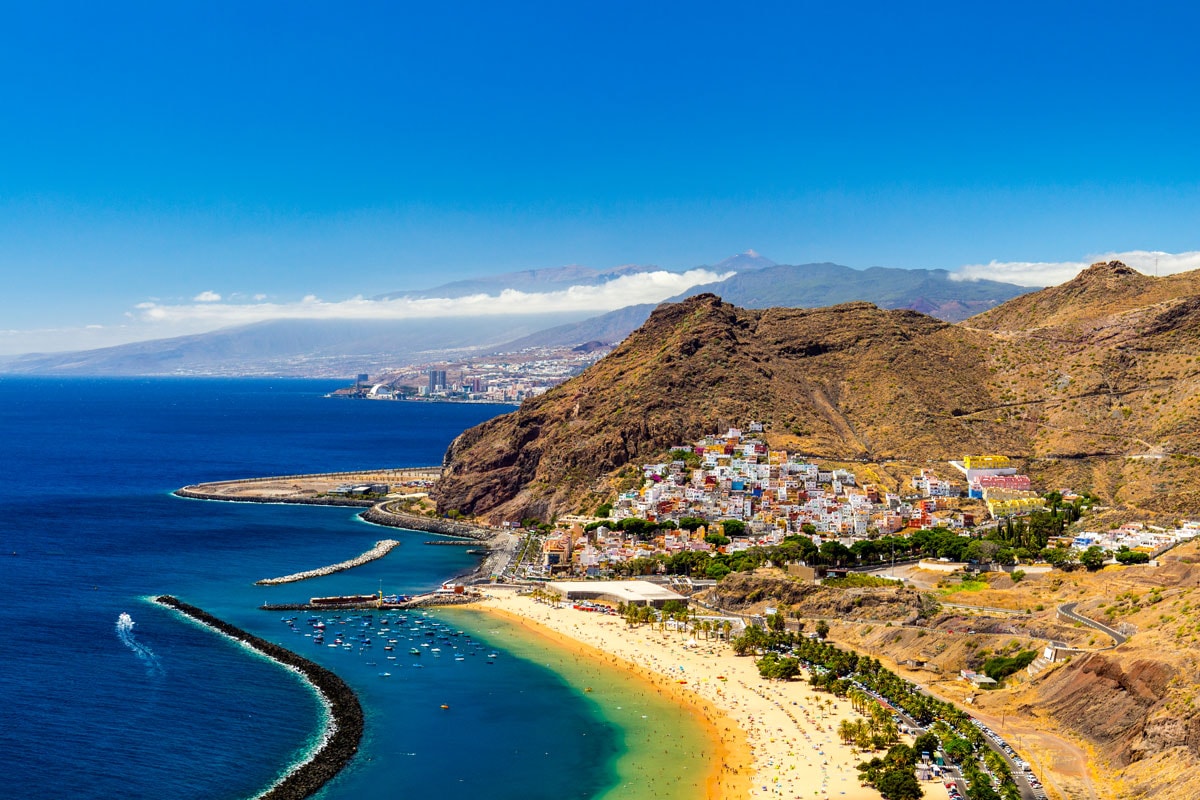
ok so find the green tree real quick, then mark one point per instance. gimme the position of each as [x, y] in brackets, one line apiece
[1093, 558]
[899, 784]
[1057, 556]
[822, 629]
[835, 553]
[926, 743]
[717, 570]
[1127, 556]
[733, 527]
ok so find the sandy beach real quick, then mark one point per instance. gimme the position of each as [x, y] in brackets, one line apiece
[771, 739]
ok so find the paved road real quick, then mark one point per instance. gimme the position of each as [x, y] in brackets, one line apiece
[989, 609]
[1068, 611]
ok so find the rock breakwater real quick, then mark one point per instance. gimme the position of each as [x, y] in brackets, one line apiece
[344, 730]
[385, 514]
[381, 549]
[193, 493]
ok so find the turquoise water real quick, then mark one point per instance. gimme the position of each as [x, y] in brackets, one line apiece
[162, 708]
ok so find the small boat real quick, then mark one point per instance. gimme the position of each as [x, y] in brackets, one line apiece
[416, 651]
[445, 706]
[385, 674]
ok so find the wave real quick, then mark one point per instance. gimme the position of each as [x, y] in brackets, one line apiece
[154, 667]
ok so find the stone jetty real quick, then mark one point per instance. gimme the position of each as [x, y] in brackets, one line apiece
[389, 515]
[343, 732]
[381, 549]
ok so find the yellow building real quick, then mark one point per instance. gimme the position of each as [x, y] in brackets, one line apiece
[985, 462]
[1027, 502]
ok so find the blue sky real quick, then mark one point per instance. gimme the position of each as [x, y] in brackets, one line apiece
[265, 152]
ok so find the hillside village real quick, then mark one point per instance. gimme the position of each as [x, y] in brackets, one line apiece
[731, 492]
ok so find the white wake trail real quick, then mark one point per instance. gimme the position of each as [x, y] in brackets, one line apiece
[125, 625]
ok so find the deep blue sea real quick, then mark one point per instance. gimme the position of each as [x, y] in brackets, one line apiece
[166, 709]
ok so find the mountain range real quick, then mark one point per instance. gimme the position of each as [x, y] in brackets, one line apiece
[1094, 384]
[324, 348]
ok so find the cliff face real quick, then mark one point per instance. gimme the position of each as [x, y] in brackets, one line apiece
[1095, 382]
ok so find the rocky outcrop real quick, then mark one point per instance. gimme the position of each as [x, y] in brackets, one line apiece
[1127, 691]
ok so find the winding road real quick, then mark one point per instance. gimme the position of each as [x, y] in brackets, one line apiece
[1068, 610]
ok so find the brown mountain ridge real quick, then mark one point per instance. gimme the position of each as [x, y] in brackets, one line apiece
[1093, 384]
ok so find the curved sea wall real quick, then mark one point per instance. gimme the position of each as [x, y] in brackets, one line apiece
[195, 494]
[381, 549]
[345, 728]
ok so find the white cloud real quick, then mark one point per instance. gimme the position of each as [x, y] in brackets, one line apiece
[643, 287]
[1051, 273]
[207, 297]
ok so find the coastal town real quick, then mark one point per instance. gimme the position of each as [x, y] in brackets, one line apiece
[508, 377]
[729, 493]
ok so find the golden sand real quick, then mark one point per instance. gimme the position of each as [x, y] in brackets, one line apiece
[768, 739]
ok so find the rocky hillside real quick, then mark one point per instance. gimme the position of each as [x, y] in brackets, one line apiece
[1095, 383]
[849, 381]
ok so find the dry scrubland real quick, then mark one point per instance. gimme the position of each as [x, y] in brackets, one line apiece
[1106, 723]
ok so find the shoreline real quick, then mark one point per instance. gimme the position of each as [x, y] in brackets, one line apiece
[345, 721]
[381, 549]
[776, 738]
[725, 780]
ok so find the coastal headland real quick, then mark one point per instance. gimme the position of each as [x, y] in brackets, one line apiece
[343, 731]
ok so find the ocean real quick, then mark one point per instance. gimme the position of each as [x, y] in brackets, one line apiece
[106, 695]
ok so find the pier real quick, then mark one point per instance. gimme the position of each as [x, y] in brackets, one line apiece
[418, 601]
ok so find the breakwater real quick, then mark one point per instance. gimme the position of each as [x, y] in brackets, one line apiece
[385, 514]
[192, 493]
[381, 549]
[344, 730]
